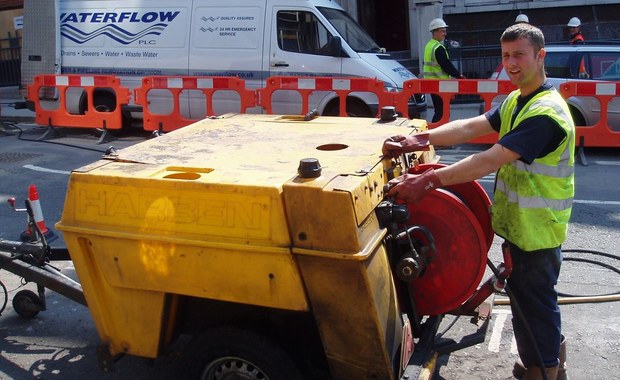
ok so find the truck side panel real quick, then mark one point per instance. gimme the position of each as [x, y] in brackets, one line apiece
[125, 38]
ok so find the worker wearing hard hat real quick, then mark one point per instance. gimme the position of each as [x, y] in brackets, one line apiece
[437, 64]
[522, 18]
[533, 159]
[574, 25]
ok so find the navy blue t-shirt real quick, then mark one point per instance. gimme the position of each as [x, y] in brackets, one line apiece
[533, 138]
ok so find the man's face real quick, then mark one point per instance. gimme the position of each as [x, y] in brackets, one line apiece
[440, 34]
[573, 29]
[523, 64]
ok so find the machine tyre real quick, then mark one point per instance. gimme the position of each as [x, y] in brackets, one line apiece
[355, 108]
[227, 352]
[26, 304]
[578, 118]
[104, 101]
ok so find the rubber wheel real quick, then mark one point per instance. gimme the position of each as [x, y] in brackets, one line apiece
[354, 109]
[105, 101]
[26, 304]
[231, 353]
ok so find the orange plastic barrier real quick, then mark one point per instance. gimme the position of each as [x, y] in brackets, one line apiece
[341, 86]
[177, 84]
[92, 118]
[599, 134]
[487, 89]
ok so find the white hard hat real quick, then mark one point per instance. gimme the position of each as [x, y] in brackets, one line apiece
[574, 22]
[437, 23]
[522, 18]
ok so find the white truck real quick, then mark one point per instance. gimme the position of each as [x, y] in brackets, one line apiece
[252, 40]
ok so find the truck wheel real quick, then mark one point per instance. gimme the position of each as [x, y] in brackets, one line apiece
[26, 304]
[355, 108]
[104, 101]
[578, 118]
[230, 353]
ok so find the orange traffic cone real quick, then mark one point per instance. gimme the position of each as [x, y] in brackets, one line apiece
[33, 196]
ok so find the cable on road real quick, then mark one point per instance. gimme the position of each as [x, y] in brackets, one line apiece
[19, 137]
[567, 298]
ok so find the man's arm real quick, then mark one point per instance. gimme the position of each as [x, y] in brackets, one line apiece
[460, 131]
[476, 166]
[446, 65]
[452, 133]
[412, 187]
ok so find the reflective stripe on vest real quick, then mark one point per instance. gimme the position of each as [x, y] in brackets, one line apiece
[431, 69]
[533, 202]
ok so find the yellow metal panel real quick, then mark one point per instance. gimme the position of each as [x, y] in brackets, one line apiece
[216, 209]
[112, 200]
[266, 277]
[354, 302]
[128, 320]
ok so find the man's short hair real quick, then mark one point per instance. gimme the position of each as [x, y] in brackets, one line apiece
[531, 33]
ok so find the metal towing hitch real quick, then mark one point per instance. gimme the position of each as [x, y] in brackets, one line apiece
[31, 261]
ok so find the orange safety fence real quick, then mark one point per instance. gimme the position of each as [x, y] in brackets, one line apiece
[49, 95]
[176, 85]
[487, 89]
[601, 133]
[48, 91]
[341, 86]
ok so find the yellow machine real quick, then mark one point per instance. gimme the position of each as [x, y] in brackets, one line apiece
[252, 222]
[268, 241]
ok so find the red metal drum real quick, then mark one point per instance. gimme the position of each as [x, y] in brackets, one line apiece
[455, 272]
[473, 195]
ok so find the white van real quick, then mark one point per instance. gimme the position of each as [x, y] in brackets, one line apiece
[252, 40]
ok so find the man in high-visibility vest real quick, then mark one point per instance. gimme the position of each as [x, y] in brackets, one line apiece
[574, 26]
[437, 64]
[533, 196]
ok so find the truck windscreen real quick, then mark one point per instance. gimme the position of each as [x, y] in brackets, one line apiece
[350, 30]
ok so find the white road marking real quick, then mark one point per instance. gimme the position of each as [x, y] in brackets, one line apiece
[610, 163]
[513, 346]
[496, 335]
[498, 327]
[46, 170]
[592, 202]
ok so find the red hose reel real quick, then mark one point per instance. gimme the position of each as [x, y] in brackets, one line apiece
[458, 217]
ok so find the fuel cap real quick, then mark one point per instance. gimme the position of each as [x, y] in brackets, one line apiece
[309, 168]
[388, 113]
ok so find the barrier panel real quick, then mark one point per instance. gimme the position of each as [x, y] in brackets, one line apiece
[107, 116]
[305, 86]
[487, 89]
[176, 85]
[599, 134]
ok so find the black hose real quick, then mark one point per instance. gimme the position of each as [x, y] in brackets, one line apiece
[610, 267]
[592, 252]
[515, 305]
[6, 297]
[19, 137]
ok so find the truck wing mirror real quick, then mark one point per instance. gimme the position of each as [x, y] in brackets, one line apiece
[335, 46]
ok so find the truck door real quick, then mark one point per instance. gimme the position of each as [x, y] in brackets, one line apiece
[227, 40]
[300, 45]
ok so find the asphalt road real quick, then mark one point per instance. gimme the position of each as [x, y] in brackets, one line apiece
[60, 343]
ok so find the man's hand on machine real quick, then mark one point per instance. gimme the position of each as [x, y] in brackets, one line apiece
[397, 145]
[412, 187]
